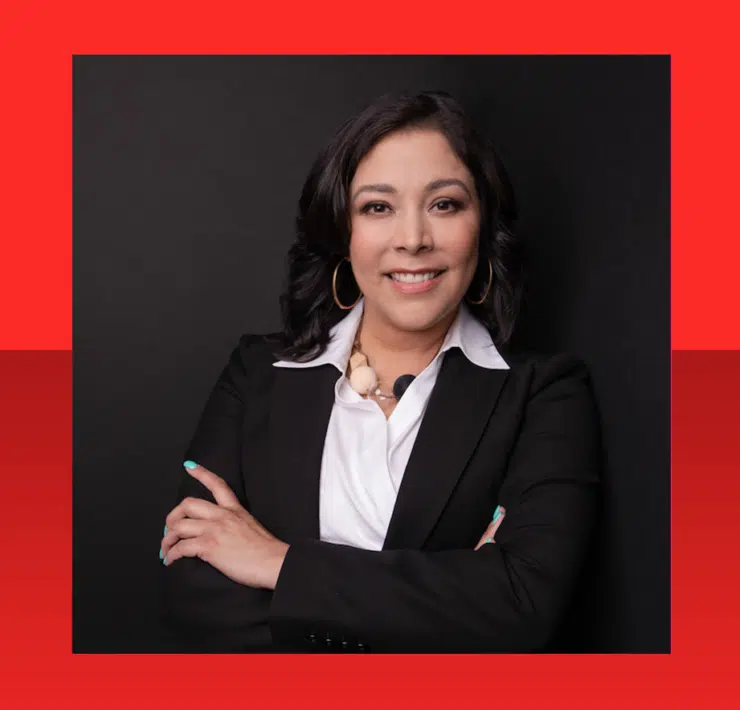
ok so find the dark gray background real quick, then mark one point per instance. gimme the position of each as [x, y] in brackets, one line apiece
[187, 172]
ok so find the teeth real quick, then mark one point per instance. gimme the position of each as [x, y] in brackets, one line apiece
[413, 278]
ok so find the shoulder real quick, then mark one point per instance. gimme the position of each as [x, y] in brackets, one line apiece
[250, 363]
[542, 369]
[256, 349]
[556, 394]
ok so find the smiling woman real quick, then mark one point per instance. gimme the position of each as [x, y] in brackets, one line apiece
[388, 473]
[412, 235]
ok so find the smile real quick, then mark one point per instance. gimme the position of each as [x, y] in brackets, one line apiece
[409, 278]
[408, 283]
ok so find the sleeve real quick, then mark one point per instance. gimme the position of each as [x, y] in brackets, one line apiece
[204, 608]
[505, 597]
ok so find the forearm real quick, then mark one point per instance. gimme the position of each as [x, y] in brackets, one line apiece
[211, 612]
[503, 597]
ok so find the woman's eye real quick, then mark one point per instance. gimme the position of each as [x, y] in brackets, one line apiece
[447, 205]
[375, 208]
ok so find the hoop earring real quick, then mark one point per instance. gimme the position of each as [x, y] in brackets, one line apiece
[334, 289]
[488, 287]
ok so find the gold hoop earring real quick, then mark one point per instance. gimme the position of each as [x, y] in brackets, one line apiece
[334, 289]
[488, 287]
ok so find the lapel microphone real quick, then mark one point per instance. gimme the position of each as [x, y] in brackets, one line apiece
[402, 384]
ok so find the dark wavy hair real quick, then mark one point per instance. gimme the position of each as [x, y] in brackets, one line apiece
[323, 222]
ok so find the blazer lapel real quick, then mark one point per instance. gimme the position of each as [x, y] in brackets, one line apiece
[299, 417]
[458, 410]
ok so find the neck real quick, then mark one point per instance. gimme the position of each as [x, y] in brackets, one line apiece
[394, 351]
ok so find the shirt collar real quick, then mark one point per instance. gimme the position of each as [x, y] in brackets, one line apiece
[466, 333]
[473, 338]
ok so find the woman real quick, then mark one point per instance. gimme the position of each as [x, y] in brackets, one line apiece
[348, 469]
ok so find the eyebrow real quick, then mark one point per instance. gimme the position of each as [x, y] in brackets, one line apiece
[431, 187]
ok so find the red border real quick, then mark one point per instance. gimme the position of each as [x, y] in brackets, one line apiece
[38, 40]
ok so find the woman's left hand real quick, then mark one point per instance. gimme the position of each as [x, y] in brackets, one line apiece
[225, 535]
[493, 526]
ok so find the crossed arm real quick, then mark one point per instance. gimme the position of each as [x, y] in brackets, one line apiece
[228, 537]
[506, 596]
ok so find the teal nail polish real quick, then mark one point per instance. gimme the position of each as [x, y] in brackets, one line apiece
[190, 464]
[165, 530]
[497, 513]
[161, 556]
[488, 539]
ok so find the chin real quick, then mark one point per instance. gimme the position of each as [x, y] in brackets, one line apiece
[414, 317]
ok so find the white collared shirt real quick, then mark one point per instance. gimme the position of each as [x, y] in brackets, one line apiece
[365, 454]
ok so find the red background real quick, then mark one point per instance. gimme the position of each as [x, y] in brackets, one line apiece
[38, 39]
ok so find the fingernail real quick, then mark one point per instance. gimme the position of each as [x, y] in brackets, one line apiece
[164, 561]
[488, 539]
[161, 556]
[190, 465]
[165, 531]
[497, 513]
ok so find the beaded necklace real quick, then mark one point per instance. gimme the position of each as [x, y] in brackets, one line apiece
[362, 377]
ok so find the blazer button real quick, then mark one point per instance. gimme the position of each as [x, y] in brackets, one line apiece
[361, 647]
[311, 637]
[345, 645]
[328, 640]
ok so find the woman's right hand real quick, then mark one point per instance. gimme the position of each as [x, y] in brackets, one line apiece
[498, 517]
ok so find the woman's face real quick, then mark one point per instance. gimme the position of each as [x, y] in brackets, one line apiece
[415, 218]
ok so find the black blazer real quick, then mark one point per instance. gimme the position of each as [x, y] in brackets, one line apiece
[526, 438]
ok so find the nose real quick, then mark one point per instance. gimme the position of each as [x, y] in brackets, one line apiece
[413, 233]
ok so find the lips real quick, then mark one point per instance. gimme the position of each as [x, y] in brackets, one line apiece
[414, 277]
[413, 283]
